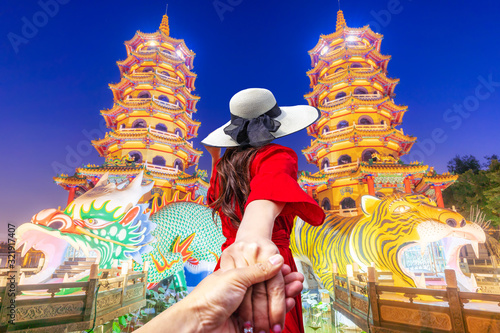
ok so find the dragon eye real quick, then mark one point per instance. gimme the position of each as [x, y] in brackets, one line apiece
[401, 209]
[96, 223]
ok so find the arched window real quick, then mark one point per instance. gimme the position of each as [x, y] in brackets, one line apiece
[344, 159]
[179, 165]
[348, 203]
[365, 120]
[160, 161]
[178, 132]
[326, 100]
[367, 154]
[339, 69]
[325, 204]
[144, 94]
[382, 122]
[165, 73]
[148, 70]
[340, 95]
[360, 91]
[161, 127]
[163, 98]
[136, 155]
[178, 103]
[122, 126]
[139, 123]
[325, 163]
[356, 65]
[342, 124]
[325, 129]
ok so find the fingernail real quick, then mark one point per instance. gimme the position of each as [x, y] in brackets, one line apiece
[277, 328]
[262, 332]
[247, 324]
[276, 259]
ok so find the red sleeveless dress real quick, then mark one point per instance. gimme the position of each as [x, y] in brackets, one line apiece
[273, 173]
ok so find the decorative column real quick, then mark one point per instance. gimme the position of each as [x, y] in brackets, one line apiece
[371, 185]
[407, 185]
[71, 194]
[439, 196]
[310, 190]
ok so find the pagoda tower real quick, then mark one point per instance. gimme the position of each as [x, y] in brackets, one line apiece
[356, 144]
[151, 120]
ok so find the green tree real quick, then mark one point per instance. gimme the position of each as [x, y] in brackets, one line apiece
[492, 195]
[459, 165]
[477, 188]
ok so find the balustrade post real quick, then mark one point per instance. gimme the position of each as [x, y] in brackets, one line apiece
[454, 302]
[145, 271]
[124, 275]
[372, 296]
[89, 312]
[11, 290]
[334, 276]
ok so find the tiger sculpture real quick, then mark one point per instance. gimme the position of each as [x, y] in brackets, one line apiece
[379, 237]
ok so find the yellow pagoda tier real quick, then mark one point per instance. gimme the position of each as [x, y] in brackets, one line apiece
[151, 120]
[356, 144]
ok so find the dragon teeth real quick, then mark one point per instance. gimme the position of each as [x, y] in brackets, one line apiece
[475, 247]
[25, 249]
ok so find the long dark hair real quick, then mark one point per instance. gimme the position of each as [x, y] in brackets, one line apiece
[233, 180]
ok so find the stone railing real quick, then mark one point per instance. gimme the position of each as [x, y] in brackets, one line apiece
[342, 167]
[381, 308]
[167, 105]
[92, 302]
[161, 169]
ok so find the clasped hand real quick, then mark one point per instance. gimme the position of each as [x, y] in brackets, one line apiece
[265, 304]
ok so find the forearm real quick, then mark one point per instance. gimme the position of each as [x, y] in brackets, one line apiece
[178, 318]
[258, 219]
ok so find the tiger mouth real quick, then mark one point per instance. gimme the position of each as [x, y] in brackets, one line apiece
[439, 254]
[53, 244]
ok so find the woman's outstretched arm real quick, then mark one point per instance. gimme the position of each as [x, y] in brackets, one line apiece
[264, 305]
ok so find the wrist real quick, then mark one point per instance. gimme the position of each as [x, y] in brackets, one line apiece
[181, 317]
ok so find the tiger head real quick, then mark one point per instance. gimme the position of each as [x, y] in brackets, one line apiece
[393, 227]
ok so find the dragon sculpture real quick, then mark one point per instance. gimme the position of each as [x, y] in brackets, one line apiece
[380, 236]
[173, 236]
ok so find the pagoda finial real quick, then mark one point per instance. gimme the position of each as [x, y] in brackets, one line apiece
[340, 20]
[164, 24]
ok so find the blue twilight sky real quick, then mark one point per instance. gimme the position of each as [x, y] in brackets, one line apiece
[54, 78]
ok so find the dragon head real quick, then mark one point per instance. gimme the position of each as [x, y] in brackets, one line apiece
[106, 220]
[402, 232]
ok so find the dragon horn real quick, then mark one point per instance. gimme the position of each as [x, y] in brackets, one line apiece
[103, 181]
[136, 183]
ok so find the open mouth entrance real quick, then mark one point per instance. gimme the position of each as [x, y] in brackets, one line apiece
[425, 263]
[65, 258]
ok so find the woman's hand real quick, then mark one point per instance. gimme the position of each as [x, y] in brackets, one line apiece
[264, 304]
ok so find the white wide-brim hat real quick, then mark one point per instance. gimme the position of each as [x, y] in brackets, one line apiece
[250, 104]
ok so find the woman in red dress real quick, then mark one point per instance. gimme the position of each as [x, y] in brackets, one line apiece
[254, 189]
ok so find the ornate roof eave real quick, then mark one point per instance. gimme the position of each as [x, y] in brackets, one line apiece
[317, 67]
[391, 168]
[70, 181]
[306, 177]
[427, 181]
[354, 101]
[187, 72]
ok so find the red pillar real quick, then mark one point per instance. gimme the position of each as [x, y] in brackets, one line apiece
[71, 195]
[407, 185]
[371, 185]
[310, 191]
[439, 196]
